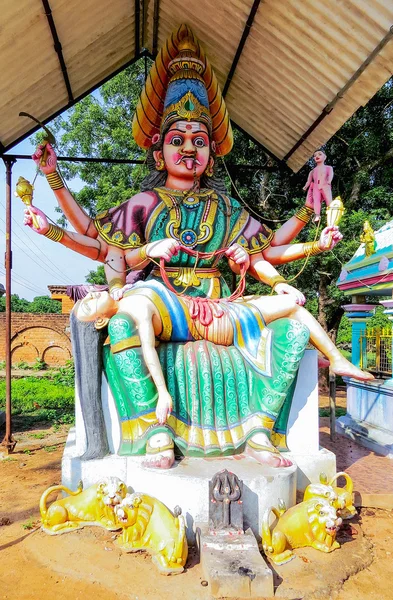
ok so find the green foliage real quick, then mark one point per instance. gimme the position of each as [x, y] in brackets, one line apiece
[340, 412]
[31, 393]
[39, 365]
[65, 375]
[40, 304]
[22, 365]
[96, 277]
[30, 524]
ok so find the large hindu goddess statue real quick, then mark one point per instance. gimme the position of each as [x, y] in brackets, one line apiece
[188, 363]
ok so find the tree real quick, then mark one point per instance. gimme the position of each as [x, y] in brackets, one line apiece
[44, 304]
[17, 304]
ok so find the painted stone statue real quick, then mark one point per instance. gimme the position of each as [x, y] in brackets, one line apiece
[319, 184]
[220, 381]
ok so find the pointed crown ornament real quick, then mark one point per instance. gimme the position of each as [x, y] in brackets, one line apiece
[182, 86]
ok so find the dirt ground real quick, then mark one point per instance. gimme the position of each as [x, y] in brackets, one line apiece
[87, 564]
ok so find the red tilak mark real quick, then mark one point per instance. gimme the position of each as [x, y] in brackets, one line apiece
[188, 126]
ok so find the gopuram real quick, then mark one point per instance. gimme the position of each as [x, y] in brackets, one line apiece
[192, 371]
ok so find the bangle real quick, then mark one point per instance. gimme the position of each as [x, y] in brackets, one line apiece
[54, 233]
[311, 249]
[115, 284]
[55, 181]
[143, 253]
[304, 214]
[275, 280]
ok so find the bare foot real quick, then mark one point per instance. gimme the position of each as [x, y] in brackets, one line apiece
[164, 407]
[342, 366]
[159, 452]
[261, 448]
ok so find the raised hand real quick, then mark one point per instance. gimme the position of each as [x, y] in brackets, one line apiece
[330, 236]
[51, 159]
[165, 248]
[43, 225]
[238, 254]
[285, 288]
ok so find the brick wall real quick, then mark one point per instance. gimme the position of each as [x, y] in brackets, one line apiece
[44, 336]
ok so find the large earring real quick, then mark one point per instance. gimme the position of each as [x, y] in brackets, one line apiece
[209, 170]
[160, 165]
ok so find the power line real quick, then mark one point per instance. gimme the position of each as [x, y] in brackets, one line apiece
[18, 282]
[53, 273]
[31, 258]
[48, 261]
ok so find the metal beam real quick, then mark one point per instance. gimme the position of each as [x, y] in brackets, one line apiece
[58, 48]
[329, 107]
[117, 161]
[156, 18]
[8, 442]
[137, 27]
[240, 47]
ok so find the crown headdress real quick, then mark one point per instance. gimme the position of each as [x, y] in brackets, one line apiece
[182, 88]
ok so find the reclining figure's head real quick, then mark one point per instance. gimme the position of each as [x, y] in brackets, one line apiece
[96, 305]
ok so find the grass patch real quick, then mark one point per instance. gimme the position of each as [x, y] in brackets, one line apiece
[50, 448]
[325, 412]
[38, 436]
[30, 524]
[31, 393]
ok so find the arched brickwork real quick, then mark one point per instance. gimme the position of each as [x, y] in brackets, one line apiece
[46, 334]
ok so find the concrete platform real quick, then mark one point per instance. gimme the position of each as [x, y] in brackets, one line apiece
[187, 482]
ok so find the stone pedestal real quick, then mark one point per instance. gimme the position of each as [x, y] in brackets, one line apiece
[233, 565]
[187, 483]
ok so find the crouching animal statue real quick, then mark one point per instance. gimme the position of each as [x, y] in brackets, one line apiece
[148, 525]
[340, 497]
[311, 523]
[94, 506]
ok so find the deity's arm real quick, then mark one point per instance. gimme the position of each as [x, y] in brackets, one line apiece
[330, 174]
[291, 228]
[279, 255]
[309, 180]
[75, 214]
[262, 270]
[82, 244]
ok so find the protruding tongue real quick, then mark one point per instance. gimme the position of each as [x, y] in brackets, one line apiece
[189, 163]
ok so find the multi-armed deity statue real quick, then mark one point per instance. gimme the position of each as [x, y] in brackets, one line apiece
[221, 379]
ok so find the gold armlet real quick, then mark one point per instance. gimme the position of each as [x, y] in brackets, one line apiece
[304, 214]
[54, 233]
[115, 284]
[311, 249]
[55, 181]
[276, 280]
[143, 253]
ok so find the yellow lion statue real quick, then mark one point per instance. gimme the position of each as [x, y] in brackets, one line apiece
[311, 523]
[94, 506]
[340, 497]
[149, 525]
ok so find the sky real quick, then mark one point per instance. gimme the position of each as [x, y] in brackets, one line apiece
[36, 261]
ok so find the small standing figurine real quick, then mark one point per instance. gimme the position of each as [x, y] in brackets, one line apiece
[368, 238]
[319, 183]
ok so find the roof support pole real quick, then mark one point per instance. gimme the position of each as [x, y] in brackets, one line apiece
[58, 49]
[240, 47]
[8, 441]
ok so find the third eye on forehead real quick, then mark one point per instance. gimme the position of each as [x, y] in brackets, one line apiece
[192, 126]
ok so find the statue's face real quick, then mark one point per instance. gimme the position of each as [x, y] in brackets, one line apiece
[94, 305]
[319, 157]
[186, 149]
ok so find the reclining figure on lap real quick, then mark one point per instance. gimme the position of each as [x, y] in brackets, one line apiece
[182, 203]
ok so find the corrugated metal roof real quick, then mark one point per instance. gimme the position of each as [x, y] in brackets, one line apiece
[297, 57]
